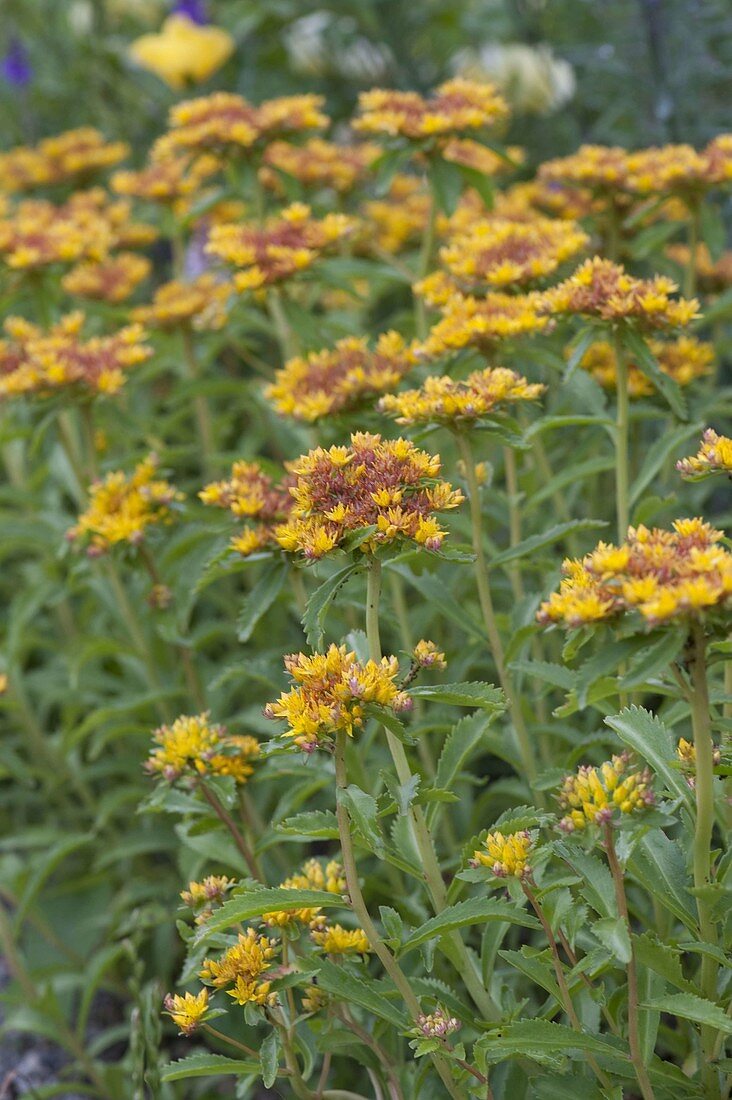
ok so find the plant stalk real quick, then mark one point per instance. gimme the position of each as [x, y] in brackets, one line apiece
[622, 420]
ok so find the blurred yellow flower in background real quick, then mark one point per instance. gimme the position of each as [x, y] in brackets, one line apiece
[183, 52]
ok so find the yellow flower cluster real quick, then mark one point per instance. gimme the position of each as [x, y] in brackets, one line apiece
[395, 221]
[187, 1011]
[313, 876]
[426, 655]
[714, 456]
[122, 508]
[37, 233]
[684, 360]
[330, 693]
[471, 154]
[497, 252]
[686, 752]
[195, 746]
[168, 180]
[671, 169]
[713, 276]
[458, 106]
[224, 121]
[113, 279]
[451, 401]
[200, 304]
[72, 155]
[34, 361]
[481, 323]
[317, 163]
[596, 167]
[242, 967]
[202, 897]
[252, 494]
[661, 574]
[594, 796]
[506, 856]
[183, 52]
[283, 247]
[333, 381]
[388, 484]
[603, 289]
[334, 939]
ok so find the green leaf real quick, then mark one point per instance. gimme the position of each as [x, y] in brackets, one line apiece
[659, 864]
[537, 969]
[314, 618]
[652, 238]
[469, 694]
[661, 959]
[269, 1055]
[446, 182]
[648, 365]
[582, 343]
[597, 883]
[690, 1007]
[206, 1065]
[658, 456]
[318, 824]
[434, 593]
[483, 184]
[646, 735]
[713, 229]
[545, 538]
[612, 932]
[360, 991]
[260, 599]
[257, 900]
[464, 737]
[362, 811]
[654, 659]
[528, 1036]
[42, 867]
[473, 911]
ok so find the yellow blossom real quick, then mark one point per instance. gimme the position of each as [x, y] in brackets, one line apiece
[317, 163]
[333, 939]
[594, 796]
[252, 494]
[714, 456]
[482, 323]
[241, 967]
[65, 157]
[458, 106]
[183, 52]
[187, 1012]
[426, 655]
[313, 876]
[195, 746]
[122, 508]
[506, 856]
[685, 360]
[111, 280]
[449, 400]
[201, 304]
[398, 219]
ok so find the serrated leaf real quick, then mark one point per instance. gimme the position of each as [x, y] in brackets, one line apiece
[526, 1036]
[661, 959]
[360, 991]
[537, 970]
[597, 884]
[473, 911]
[464, 737]
[317, 608]
[256, 901]
[659, 863]
[648, 365]
[647, 736]
[658, 456]
[690, 1007]
[612, 932]
[260, 599]
[318, 824]
[206, 1065]
[468, 694]
[363, 812]
[269, 1054]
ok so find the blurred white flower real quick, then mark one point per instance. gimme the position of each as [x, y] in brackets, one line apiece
[321, 44]
[533, 80]
[148, 12]
[81, 16]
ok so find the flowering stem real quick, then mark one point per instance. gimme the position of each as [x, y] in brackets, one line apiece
[225, 817]
[636, 1054]
[621, 440]
[425, 258]
[514, 518]
[232, 1042]
[285, 336]
[489, 616]
[87, 433]
[378, 1050]
[382, 952]
[428, 859]
[200, 405]
[561, 980]
[693, 242]
[702, 859]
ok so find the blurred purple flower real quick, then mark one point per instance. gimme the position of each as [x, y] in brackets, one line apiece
[195, 10]
[15, 66]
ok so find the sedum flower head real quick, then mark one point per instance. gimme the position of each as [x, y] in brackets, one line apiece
[456, 107]
[113, 279]
[600, 288]
[203, 897]
[317, 163]
[451, 401]
[195, 746]
[199, 304]
[242, 967]
[712, 275]
[601, 168]
[668, 169]
[471, 154]
[438, 1024]
[122, 508]
[183, 52]
[333, 381]
[167, 180]
[714, 456]
[36, 362]
[426, 655]
[498, 252]
[386, 483]
[684, 360]
[312, 876]
[188, 1011]
[285, 246]
[397, 220]
[661, 574]
[482, 323]
[62, 158]
[224, 121]
[506, 856]
[251, 493]
[330, 693]
[333, 939]
[595, 796]
[37, 233]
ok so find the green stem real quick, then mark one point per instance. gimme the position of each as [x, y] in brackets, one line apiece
[286, 338]
[428, 859]
[226, 819]
[489, 618]
[622, 420]
[200, 404]
[87, 434]
[693, 235]
[425, 258]
[636, 1054]
[514, 518]
[382, 952]
[399, 603]
[232, 1042]
[702, 846]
